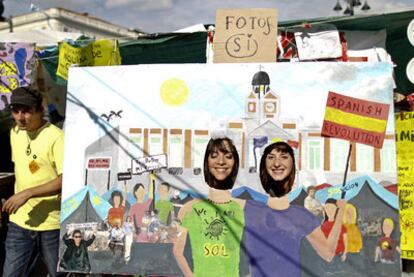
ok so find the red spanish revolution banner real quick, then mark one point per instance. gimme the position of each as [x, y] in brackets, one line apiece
[355, 119]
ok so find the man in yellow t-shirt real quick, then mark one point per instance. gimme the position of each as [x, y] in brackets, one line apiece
[34, 209]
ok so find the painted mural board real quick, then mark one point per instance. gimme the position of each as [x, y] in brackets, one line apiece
[245, 35]
[148, 224]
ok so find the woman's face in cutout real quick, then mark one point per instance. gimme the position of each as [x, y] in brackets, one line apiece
[279, 165]
[220, 164]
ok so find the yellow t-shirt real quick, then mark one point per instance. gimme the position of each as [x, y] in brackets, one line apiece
[43, 164]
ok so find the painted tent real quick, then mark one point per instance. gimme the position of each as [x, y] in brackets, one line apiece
[298, 195]
[373, 204]
[85, 203]
[247, 193]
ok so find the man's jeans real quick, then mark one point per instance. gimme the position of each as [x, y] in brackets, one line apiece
[23, 248]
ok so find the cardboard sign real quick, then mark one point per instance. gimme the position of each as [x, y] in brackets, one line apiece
[355, 119]
[404, 129]
[245, 35]
[98, 53]
[99, 163]
[319, 42]
[149, 163]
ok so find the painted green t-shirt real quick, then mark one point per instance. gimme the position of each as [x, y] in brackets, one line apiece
[215, 232]
[164, 208]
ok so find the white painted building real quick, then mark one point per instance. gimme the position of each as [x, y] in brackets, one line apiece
[63, 20]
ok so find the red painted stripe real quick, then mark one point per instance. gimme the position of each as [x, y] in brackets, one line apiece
[357, 106]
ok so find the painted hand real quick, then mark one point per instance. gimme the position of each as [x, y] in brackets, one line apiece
[341, 203]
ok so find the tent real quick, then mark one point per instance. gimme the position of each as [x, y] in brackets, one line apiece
[84, 206]
[247, 193]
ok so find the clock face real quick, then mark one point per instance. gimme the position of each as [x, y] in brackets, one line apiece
[410, 32]
[270, 107]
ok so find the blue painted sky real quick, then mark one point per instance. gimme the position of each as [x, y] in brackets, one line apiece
[216, 95]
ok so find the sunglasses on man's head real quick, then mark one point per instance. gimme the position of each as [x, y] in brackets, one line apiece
[77, 237]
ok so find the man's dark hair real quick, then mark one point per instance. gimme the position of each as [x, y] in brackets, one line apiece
[166, 184]
[311, 188]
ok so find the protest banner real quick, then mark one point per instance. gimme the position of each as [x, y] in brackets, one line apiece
[355, 119]
[149, 163]
[98, 53]
[404, 130]
[101, 163]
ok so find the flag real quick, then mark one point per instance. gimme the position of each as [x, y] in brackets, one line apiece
[260, 142]
[355, 120]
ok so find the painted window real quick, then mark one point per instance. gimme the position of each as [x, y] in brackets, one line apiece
[176, 151]
[339, 154]
[388, 158]
[315, 154]
[252, 107]
[199, 148]
[155, 145]
[136, 146]
[364, 158]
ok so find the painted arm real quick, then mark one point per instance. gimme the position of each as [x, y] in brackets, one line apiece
[343, 257]
[326, 247]
[179, 245]
[66, 239]
[90, 241]
[50, 188]
[125, 195]
[178, 251]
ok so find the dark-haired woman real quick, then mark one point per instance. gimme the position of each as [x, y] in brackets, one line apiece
[214, 225]
[116, 213]
[274, 231]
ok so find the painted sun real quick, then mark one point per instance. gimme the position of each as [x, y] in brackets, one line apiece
[174, 92]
